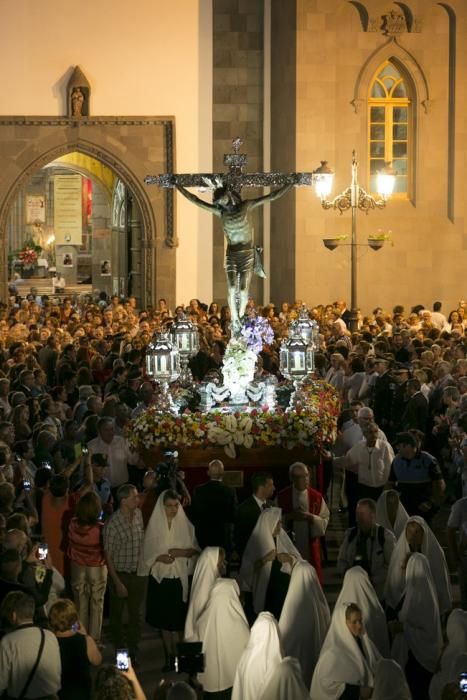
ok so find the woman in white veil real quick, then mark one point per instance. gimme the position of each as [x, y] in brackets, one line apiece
[357, 588]
[224, 631]
[305, 619]
[267, 563]
[456, 633]
[390, 513]
[417, 537]
[348, 659]
[169, 554]
[418, 639]
[390, 683]
[258, 661]
[286, 682]
[210, 565]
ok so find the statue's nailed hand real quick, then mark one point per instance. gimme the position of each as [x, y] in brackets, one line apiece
[213, 183]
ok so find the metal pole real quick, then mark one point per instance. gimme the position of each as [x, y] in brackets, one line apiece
[353, 323]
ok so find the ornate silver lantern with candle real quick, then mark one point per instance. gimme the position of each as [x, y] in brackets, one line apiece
[309, 330]
[185, 336]
[163, 366]
[296, 359]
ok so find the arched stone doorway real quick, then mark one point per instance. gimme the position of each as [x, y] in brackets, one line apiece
[132, 148]
[104, 242]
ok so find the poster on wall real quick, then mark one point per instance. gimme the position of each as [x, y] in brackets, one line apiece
[35, 209]
[68, 203]
[67, 260]
[105, 268]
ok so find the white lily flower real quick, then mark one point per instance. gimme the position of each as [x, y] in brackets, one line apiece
[230, 450]
[238, 438]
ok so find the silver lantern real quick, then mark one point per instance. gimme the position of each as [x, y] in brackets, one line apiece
[163, 366]
[308, 329]
[296, 355]
[185, 336]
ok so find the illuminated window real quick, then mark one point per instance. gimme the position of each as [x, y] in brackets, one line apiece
[389, 126]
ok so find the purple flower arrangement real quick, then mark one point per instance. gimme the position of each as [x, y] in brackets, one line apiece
[257, 332]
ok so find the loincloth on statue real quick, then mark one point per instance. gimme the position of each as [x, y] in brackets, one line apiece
[243, 258]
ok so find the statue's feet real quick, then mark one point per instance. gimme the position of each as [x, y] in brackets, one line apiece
[236, 327]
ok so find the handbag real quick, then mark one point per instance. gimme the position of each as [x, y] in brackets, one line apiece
[32, 673]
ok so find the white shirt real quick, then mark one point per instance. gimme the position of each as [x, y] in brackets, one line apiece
[118, 455]
[438, 320]
[259, 502]
[353, 434]
[58, 283]
[18, 654]
[373, 463]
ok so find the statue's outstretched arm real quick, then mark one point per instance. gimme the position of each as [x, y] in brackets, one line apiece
[259, 201]
[197, 200]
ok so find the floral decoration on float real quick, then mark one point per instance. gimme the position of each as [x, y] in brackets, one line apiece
[311, 423]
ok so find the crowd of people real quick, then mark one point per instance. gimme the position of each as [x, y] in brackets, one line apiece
[89, 530]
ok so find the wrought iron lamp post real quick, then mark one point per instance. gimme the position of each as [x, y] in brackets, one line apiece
[354, 198]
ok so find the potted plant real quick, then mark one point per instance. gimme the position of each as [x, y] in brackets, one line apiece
[332, 243]
[376, 241]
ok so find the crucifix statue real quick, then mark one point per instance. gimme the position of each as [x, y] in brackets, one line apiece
[242, 257]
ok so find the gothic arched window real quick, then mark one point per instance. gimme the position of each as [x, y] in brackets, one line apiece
[389, 112]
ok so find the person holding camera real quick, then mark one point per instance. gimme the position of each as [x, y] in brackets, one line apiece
[57, 509]
[78, 651]
[169, 555]
[117, 684]
[88, 568]
[100, 484]
[30, 571]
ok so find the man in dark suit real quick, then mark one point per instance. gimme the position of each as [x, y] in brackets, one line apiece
[213, 508]
[383, 393]
[400, 375]
[250, 509]
[416, 410]
[48, 356]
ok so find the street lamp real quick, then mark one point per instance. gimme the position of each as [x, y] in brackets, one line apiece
[354, 198]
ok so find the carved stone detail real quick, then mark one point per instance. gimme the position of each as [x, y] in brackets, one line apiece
[78, 95]
[394, 24]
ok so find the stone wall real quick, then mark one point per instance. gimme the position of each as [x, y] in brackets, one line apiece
[429, 257]
[237, 106]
